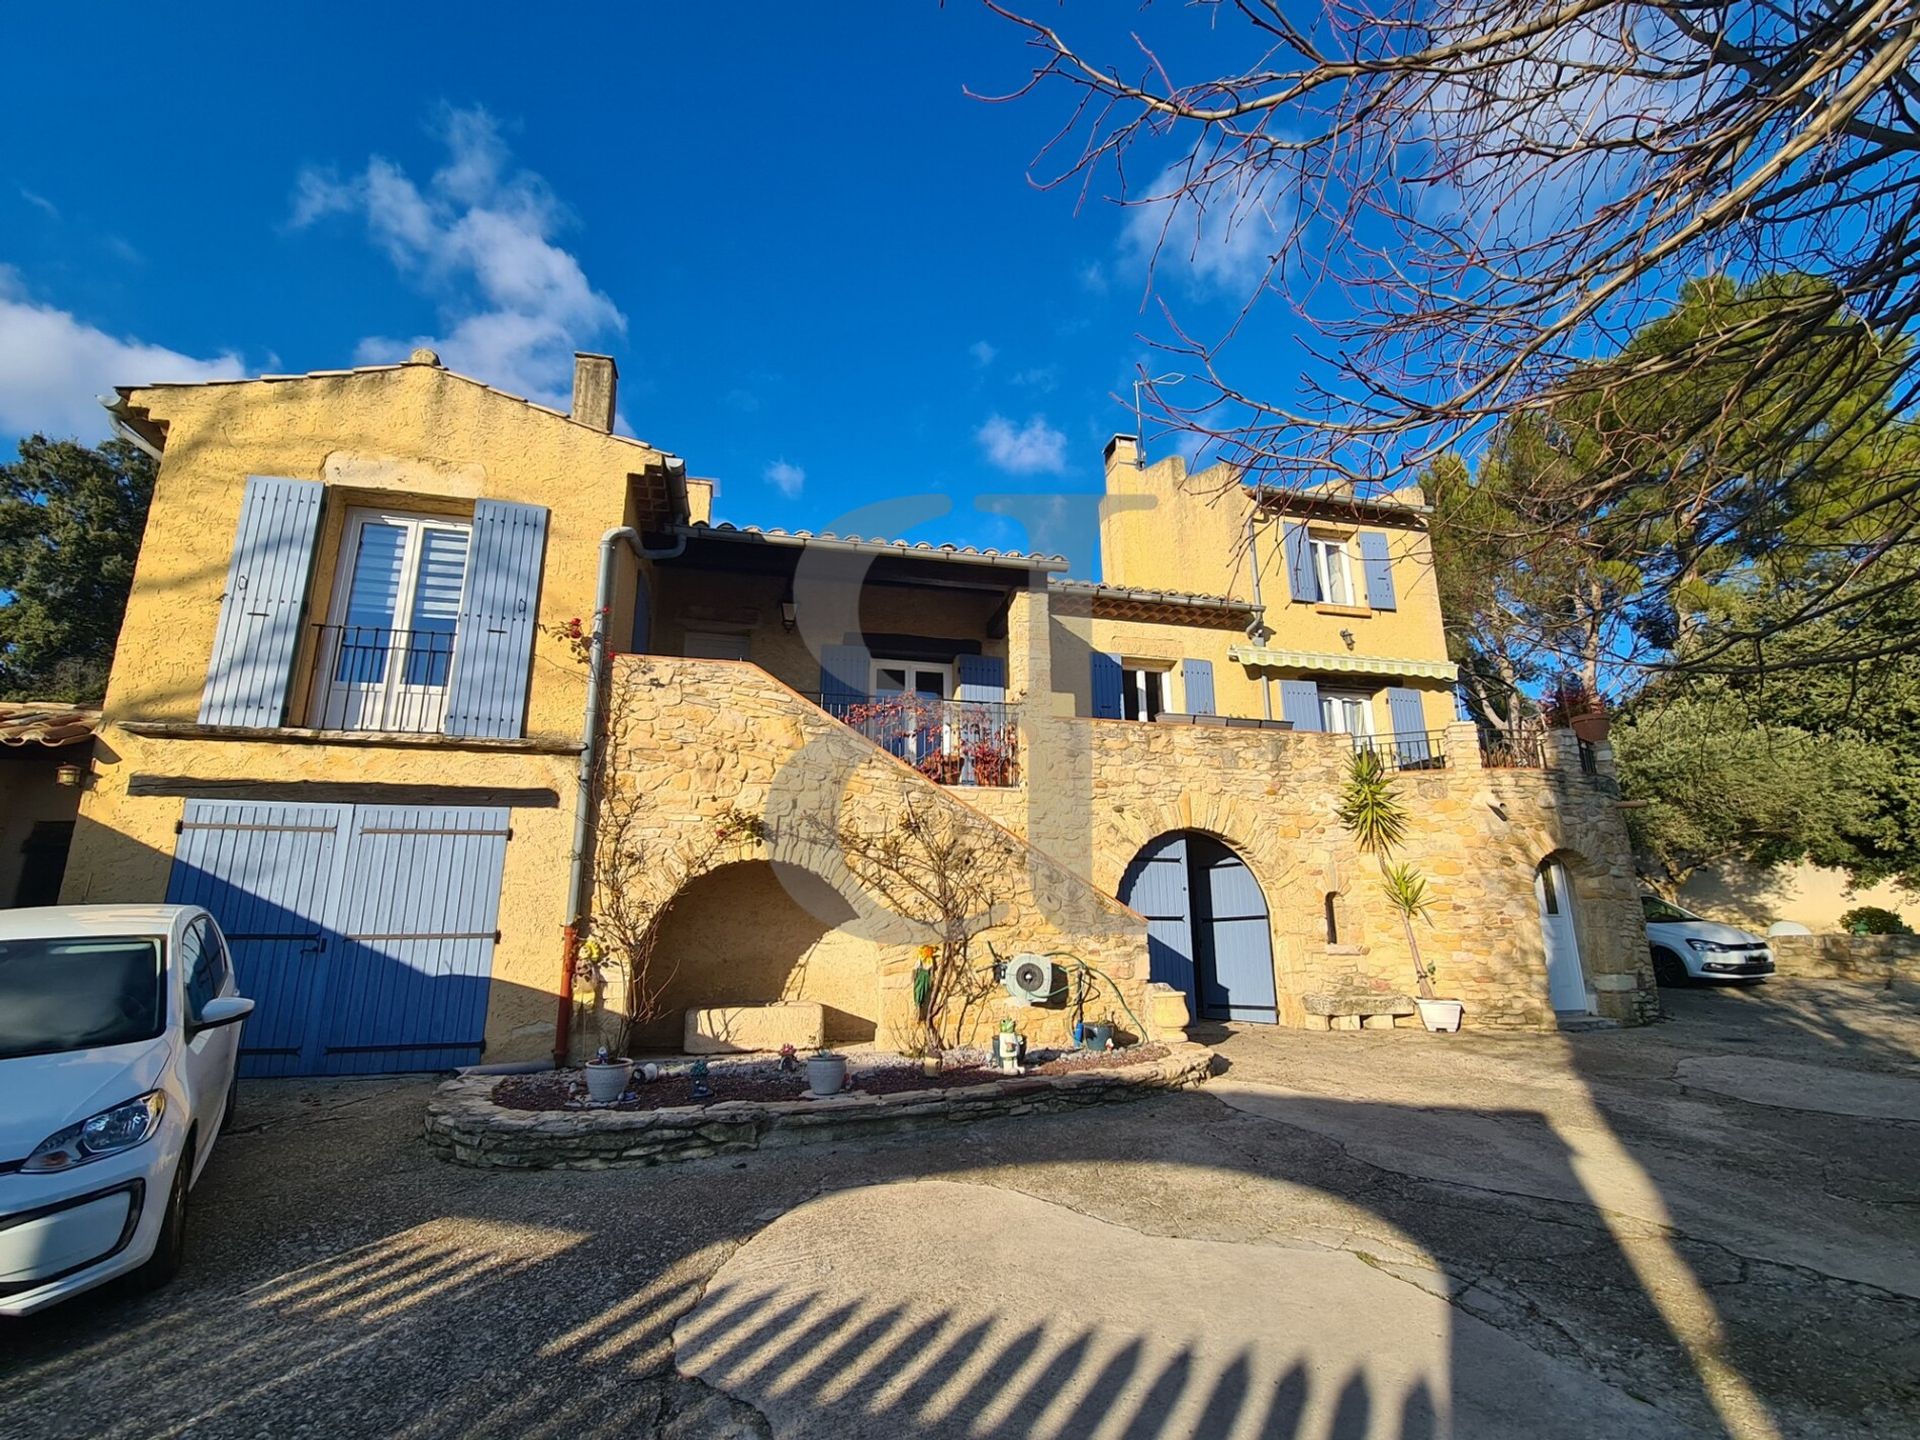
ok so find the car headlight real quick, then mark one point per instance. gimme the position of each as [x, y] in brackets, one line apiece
[108, 1133]
[1714, 945]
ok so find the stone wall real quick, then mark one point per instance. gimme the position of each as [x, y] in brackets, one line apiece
[697, 738]
[1102, 789]
[1847, 957]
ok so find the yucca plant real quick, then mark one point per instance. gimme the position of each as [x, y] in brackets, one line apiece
[1377, 819]
[1406, 891]
[1370, 807]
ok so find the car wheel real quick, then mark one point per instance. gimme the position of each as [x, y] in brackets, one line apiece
[164, 1263]
[1668, 968]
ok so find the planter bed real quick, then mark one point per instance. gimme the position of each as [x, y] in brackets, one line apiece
[542, 1121]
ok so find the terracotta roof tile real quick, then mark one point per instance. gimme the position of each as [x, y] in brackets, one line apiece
[34, 722]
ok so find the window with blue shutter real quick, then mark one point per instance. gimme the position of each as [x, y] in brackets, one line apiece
[1300, 578]
[1377, 565]
[1300, 703]
[1109, 687]
[258, 632]
[1409, 720]
[493, 643]
[1198, 677]
[844, 671]
[981, 677]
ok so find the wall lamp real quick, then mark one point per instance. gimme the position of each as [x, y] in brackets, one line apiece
[789, 615]
[70, 775]
[1347, 635]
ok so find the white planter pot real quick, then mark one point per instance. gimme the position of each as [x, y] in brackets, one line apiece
[608, 1082]
[1440, 1015]
[826, 1074]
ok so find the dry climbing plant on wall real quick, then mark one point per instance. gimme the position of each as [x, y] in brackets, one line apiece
[1376, 817]
[637, 880]
[945, 877]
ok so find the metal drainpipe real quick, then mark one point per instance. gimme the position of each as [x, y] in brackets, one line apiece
[1253, 558]
[589, 748]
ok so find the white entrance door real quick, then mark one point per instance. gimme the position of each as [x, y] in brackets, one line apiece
[1566, 980]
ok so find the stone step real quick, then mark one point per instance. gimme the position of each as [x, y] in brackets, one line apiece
[1576, 1024]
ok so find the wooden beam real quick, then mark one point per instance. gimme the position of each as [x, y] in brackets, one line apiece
[344, 792]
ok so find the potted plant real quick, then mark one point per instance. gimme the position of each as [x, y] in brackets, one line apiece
[1376, 817]
[826, 1073]
[1570, 705]
[1008, 1046]
[607, 1077]
[1098, 1035]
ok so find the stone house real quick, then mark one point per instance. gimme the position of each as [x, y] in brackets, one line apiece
[350, 708]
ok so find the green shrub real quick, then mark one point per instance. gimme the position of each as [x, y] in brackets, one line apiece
[1873, 920]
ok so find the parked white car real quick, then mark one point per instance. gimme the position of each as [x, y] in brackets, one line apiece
[1687, 947]
[119, 1027]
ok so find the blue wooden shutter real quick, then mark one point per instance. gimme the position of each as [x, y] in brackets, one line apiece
[1299, 563]
[1108, 685]
[844, 671]
[1378, 568]
[1300, 703]
[1198, 675]
[1409, 720]
[259, 629]
[981, 677]
[1155, 884]
[493, 646]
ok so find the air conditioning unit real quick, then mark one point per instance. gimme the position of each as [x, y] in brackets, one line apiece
[1030, 979]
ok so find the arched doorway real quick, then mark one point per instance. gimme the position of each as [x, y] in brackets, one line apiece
[1566, 976]
[1207, 928]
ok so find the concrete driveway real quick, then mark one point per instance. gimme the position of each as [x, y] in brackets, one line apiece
[1703, 1228]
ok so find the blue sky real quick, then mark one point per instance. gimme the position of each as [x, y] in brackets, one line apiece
[821, 267]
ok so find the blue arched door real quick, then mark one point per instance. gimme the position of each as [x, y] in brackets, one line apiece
[1207, 926]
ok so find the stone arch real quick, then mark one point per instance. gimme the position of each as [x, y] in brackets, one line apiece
[754, 932]
[1209, 924]
[1580, 883]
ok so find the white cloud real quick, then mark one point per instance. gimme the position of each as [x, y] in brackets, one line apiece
[1035, 448]
[785, 478]
[982, 353]
[1040, 377]
[1216, 229]
[1093, 278]
[53, 367]
[480, 236]
[40, 202]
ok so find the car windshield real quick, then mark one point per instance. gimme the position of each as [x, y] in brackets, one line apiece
[77, 993]
[1658, 910]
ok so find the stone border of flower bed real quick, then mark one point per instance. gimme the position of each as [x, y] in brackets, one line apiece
[465, 1126]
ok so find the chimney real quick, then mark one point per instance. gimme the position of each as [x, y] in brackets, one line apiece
[596, 379]
[1123, 450]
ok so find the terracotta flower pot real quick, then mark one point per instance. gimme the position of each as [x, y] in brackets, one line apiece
[1591, 727]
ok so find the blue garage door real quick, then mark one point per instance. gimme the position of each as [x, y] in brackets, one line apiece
[364, 933]
[1207, 927]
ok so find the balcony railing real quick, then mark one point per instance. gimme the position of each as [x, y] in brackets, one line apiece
[1407, 750]
[367, 677]
[952, 742]
[1514, 750]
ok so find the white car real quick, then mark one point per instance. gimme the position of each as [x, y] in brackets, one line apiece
[119, 1027]
[1687, 947]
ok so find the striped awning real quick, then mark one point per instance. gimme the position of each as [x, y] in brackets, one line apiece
[1314, 662]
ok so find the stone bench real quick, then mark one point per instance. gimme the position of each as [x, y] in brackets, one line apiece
[1355, 1010]
[736, 1029]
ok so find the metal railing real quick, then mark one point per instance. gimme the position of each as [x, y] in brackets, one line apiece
[951, 742]
[367, 677]
[1514, 750]
[1407, 750]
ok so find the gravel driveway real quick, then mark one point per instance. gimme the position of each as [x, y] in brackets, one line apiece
[1707, 1227]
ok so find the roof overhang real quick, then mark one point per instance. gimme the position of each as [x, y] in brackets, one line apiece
[759, 551]
[1313, 662]
[49, 726]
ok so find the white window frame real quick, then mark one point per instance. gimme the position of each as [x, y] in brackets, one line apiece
[949, 738]
[345, 705]
[1364, 702]
[1331, 560]
[1133, 680]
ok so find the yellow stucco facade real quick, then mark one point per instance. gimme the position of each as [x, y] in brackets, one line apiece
[416, 439]
[721, 709]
